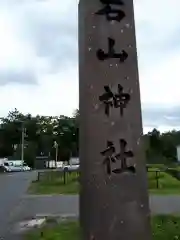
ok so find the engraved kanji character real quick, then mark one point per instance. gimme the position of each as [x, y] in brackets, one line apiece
[122, 156]
[101, 55]
[110, 12]
[116, 100]
[112, 157]
[108, 154]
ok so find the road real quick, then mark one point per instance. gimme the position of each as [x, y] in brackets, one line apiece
[12, 187]
[16, 205]
[168, 204]
[32, 206]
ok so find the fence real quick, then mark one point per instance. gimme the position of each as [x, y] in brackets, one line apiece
[64, 175]
[157, 175]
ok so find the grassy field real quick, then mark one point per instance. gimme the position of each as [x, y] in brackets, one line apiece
[166, 227]
[53, 183]
[64, 231]
[166, 184]
[163, 227]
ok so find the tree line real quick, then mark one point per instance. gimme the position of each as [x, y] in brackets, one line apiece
[40, 135]
[41, 132]
[161, 147]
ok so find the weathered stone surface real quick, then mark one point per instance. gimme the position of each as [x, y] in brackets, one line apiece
[114, 200]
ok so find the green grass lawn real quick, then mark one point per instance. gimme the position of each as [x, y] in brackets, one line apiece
[163, 228]
[166, 183]
[53, 183]
[166, 227]
[63, 231]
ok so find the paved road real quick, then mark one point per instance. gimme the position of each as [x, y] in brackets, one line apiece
[12, 187]
[16, 205]
[165, 204]
[32, 206]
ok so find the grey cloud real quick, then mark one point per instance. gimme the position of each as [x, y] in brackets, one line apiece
[161, 116]
[12, 76]
[54, 37]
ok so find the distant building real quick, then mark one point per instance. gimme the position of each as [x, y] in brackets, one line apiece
[178, 153]
[74, 161]
[53, 163]
[40, 162]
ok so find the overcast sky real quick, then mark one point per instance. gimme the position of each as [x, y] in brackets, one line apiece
[39, 67]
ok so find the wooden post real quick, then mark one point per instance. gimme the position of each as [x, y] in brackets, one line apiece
[64, 175]
[113, 198]
[157, 178]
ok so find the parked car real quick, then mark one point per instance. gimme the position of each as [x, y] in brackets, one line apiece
[26, 167]
[71, 167]
[10, 167]
[15, 166]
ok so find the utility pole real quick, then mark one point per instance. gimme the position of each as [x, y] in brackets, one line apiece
[22, 142]
[56, 147]
[56, 155]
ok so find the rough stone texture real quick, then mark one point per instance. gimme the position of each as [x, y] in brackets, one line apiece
[112, 206]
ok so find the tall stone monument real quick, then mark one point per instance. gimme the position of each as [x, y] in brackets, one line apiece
[113, 196]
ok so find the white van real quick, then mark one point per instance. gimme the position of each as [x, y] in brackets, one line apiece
[10, 167]
[16, 166]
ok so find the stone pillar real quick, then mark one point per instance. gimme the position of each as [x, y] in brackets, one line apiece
[113, 195]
